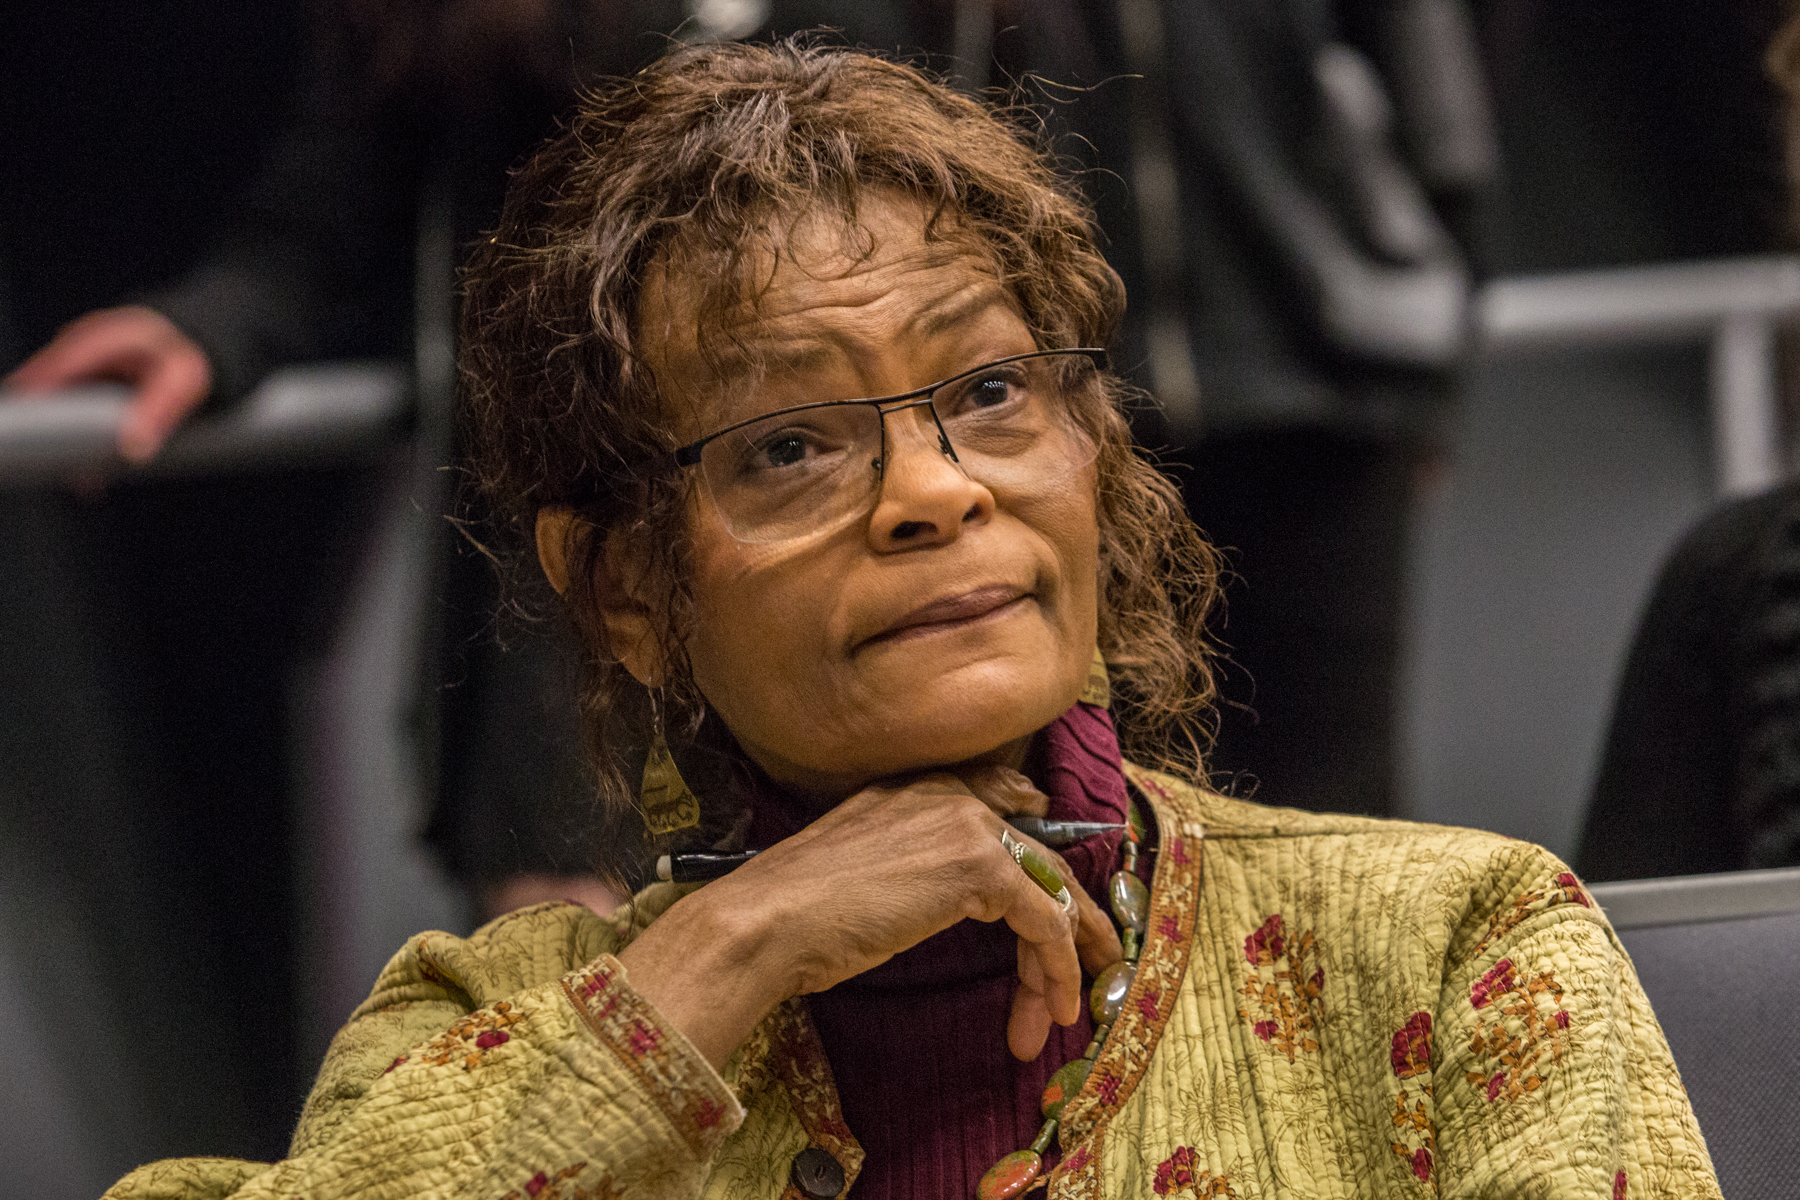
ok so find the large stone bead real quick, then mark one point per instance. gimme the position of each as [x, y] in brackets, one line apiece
[1107, 996]
[817, 1175]
[1011, 1176]
[1063, 1085]
[1130, 900]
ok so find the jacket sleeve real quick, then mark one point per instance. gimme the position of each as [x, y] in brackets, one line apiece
[490, 1067]
[1552, 1076]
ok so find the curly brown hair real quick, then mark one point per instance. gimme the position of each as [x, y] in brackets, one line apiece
[701, 164]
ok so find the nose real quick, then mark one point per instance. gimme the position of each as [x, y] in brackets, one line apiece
[927, 499]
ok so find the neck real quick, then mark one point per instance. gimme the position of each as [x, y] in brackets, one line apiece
[814, 792]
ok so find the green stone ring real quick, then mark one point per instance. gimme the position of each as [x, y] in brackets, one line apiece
[1040, 870]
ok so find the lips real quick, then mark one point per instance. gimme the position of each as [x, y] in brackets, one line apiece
[951, 612]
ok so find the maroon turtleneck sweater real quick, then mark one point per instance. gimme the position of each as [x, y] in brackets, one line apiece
[918, 1045]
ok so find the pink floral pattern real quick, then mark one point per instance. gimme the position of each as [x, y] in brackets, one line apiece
[1180, 1173]
[1415, 1126]
[468, 1039]
[1266, 945]
[1411, 1053]
[562, 1186]
[1283, 995]
[1526, 1021]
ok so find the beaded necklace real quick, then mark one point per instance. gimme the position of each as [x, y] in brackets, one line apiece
[1018, 1172]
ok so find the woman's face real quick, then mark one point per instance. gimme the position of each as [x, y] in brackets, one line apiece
[948, 622]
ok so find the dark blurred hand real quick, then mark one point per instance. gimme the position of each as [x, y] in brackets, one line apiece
[168, 373]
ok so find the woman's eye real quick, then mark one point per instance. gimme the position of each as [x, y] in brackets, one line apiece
[991, 391]
[781, 450]
[787, 448]
[988, 391]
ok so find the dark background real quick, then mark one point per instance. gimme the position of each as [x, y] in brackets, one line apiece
[1632, 132]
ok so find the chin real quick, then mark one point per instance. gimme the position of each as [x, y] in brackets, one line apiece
[966, 715]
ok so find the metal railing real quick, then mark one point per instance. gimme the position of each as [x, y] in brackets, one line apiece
[1733, 304]
[298, 415]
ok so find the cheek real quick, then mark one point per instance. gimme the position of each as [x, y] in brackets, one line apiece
[1069, 525]
[759, 624]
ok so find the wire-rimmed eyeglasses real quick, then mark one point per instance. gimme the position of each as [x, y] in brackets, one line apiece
[799, 470]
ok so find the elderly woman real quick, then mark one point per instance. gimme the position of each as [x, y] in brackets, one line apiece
[788, 355]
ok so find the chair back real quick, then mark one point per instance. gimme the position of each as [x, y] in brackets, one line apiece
[1719, 957]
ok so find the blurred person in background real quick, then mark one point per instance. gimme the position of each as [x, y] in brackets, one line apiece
[197, 599]
[415, 111]
[1298, 196]
[1700, 771]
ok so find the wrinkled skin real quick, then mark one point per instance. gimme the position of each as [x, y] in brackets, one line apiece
[833, 662]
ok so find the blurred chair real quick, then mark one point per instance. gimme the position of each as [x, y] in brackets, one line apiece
[1719, 957]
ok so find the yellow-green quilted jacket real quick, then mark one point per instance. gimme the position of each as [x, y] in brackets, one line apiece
[1325, 1006]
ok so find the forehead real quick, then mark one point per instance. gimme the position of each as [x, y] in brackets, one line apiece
[824, 293]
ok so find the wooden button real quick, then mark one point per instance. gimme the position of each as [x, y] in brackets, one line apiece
[817, 1174]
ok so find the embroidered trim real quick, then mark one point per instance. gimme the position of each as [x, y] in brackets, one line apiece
[1078, 1174]
[625, 1024]
[797, 1056]
[1162, 965]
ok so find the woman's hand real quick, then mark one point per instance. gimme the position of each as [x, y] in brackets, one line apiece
[876, 875]
[168, 373]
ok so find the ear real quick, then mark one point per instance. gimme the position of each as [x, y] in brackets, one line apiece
[620, 592]
[626, 607]
[554, 525]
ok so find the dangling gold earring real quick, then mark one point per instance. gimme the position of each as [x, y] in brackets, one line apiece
[668, 803]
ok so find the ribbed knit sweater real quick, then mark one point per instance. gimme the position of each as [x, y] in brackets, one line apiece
[918, 1045]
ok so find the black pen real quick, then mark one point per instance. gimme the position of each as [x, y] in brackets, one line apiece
[1058, 834]
[699, 868]
[708, 865]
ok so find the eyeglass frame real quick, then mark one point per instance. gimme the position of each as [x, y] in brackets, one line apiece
[689, 455]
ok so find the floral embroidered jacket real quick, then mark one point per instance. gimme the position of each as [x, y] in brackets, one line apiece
[1325, 1006]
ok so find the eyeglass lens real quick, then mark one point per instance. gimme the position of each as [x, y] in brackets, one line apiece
[795, 472]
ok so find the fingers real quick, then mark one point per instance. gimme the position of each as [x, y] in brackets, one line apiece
[168, 372]
[115, 343]
[1049, 968]
[1007, 792]
[1055, 988]
[1096, 940]
[1028, 1025]
[174, 387]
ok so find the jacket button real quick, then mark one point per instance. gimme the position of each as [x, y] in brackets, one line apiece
[818, 1175]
